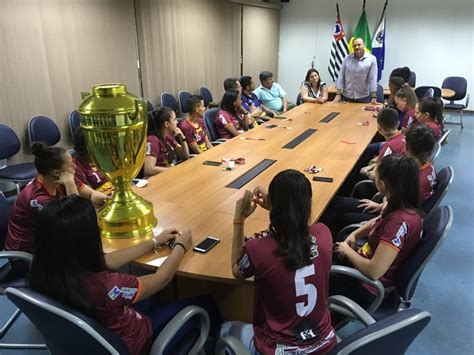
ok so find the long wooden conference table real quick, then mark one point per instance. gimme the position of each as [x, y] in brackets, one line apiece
[194, 196]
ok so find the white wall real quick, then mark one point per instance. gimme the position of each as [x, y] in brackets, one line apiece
[433, 37]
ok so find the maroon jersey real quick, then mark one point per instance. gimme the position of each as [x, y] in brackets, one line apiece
[193, 134]
[22, 224]
[88, 174]
[292, 305]
[400, 230]
[112, 294]
[395, 145]
[409, 119]
[155, 148]
[435, 127]
[223, 120]
[427, 181]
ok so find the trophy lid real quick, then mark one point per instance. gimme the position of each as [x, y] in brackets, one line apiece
[109, 99]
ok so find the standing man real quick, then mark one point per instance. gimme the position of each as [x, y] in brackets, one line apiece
[357, 80]
[271, 94]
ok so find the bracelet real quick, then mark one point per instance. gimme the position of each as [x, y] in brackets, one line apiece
[181, 245]
[239, 221]
[155, 245]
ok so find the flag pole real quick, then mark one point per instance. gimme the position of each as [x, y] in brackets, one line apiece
[337, 8]
[383, 11]
[363, 6]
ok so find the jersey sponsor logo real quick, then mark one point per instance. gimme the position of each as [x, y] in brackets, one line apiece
[244, 264]
[223, 120]
[432, 178]
[148, 148]
[36, 204]
[402, 233]
[114, 293]
[314, 253]
[282, 349]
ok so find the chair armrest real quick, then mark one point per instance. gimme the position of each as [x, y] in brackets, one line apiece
[359, 186]
[467, 100]
[176, 323]
[347, 230]
[339, 302]
[233, 346]
[351, 272]
[13, 254]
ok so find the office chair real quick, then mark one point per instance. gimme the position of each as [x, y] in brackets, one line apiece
[459, 86]
[74, 121]
[412, 80]
[168, 100]
[380, 94]
[209, 118]
[149, 106]
[421, 91]
[435, 152]
[206, 95]
[10, 145]
[43, 129]
[183, 97]
[69, 331]
[299, 99]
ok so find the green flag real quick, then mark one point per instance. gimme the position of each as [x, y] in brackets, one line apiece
[362, 31]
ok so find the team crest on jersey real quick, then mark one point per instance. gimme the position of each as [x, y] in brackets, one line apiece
[114, 293]
[36, 204]
[314, 248]
[402, 233]
[388, 152]
[148, 148]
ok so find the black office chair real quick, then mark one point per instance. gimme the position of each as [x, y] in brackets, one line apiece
[183, 97]
[299, 99]
[74, 121]
[412, 80]
[459, 86]
[168, 100]
[443, 138]
[392, 335]
[43, 129]
[206, 95]
[435, 152]
[5, 280]
[209, 118]
[421, 91]
[436, 226]
[10, 145]
[380, 94]
[444, 178]
[68, 331]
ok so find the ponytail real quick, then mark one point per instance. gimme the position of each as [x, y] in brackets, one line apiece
[401, 178]
[420, 141]
[408, 94]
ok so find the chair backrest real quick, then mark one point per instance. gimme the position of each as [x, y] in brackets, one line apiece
[299, 99]
[412, 80]
[380, 94]
[435, 152]
[444, 178]
[9, 142]
[458, 84]
[420, 91]
[206, 95]
[168, 100]
[64, 329]
[209, 118]
[436, 226]
[43, 129]
[183, 97]
[6, 208]
[149, 106]
[444, 135]
[389, 336]
[429, 93]
[74, 121]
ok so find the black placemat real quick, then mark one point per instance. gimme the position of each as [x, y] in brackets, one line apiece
[293, 143]
[250, 174]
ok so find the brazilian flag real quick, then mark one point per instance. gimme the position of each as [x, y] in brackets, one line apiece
[362, 31]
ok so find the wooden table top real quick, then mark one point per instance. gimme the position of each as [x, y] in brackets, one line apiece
[194, 196]
[445, 93]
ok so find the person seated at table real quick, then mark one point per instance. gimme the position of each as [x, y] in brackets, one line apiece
[165, 143]
[313, 89]
[395, 83]
[250, 101]
[406, 100]
[290, 263]
[429, 111]
[70, 266]
[232, 84]
[343, 211]
[271, 94]
[55, 179]
[193, 126]
[90, 181]
[230, 121]
[391, 236]
[387, 126]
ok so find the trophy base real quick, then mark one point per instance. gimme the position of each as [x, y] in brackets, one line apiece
[127, 215]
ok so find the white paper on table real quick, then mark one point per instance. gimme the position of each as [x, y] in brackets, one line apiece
[157, 262]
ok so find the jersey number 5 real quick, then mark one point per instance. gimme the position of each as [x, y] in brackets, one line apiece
[305, 308]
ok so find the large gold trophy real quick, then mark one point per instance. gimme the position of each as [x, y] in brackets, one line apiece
[115, 128]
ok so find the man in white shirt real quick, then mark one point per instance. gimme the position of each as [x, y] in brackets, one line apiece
[357, 80]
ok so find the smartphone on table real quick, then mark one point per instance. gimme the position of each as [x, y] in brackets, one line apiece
[206, 245]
